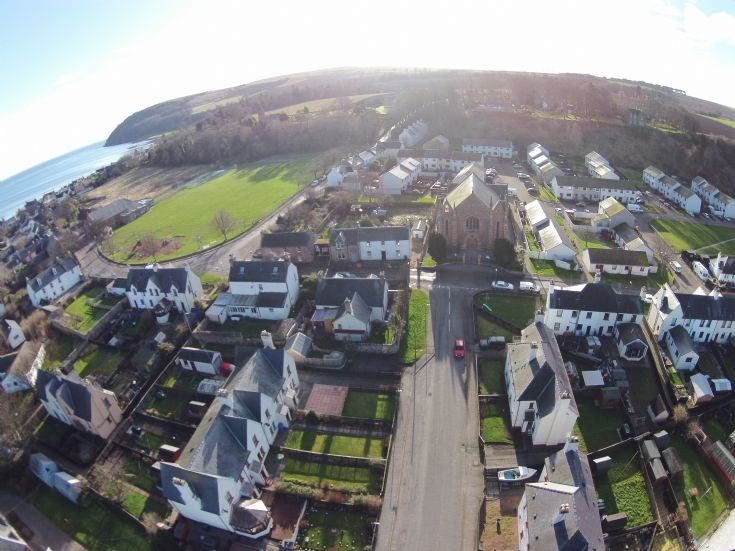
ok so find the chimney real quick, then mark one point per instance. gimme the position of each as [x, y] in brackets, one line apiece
[561, 514]
[154, 266]
[572, 444]
[644, 292]
[267, 339]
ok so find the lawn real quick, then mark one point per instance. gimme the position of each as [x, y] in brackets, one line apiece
[491, 375]
[336, 530]
[351, 479]
[653, 281]
[185, 219]
[694, 235]
[57, 350]
[426, 199]
[590, 240]
[87, 309]
[336, 444]
[624, 489]
[428, 261]
[138, 504]
[381, 334]
[413, 341]
[138, 474]
[369, 405]
[545, 194]
[211, 279]
[715, 430]
[515, 309]
[172, 405]
[596, 428]
[97, 361]
[247, 327]
[547, 268]
[487, 329]
[492, 420]
[531, 239]
[703, 509]
[97, 527]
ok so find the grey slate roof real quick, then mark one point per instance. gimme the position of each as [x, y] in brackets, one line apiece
[727, 266]
[356, 307]
[353, 236]
[706, 307]
[60, 266]
[20, 361]
[333, 291]
[204, 485]
[287, 239]
[439, 154]
[115, 208]
[299, 343]
[620, 257]
[197, 354]
[595, 297]
[164, 278]
[596, 183]
[265, 271]
[630, 332]
[74, 393]
[487, 142]
[682, 339]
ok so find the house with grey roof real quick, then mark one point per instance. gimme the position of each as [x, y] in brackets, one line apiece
[540, 397]
[626, 237]
[440, 161]
[554, 242]
[616, 262]
[599, 167]
[146, 287]
[494, 147]
[219, 476]
[706, 317]
[396, 180]
[630, 341]
[331, 293]
[11, 333]
[352, 320]
[560, 512]
[386, 243]
[199, 360]
[723, 268]
[10, 540]
[259, 289]
[587, 188]
[719, 202]
[681, 349]
[119, 212]
[79, 403]
[298, 247]
[672, 189]
[590, 309]
[19, 369]
[53, 282]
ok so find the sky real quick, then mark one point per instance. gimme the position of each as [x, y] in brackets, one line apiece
[71, 71]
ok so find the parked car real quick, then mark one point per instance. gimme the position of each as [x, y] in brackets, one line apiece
[675, 266]
[459, 349]
[528, 286]
[502, 285]
[581, 204]
[314, 183]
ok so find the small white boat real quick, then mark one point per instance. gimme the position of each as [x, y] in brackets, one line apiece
[518, 474]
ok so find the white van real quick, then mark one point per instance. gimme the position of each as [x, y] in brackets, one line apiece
[700, 270]
[512, 192]
[528, 286]
[633, 207]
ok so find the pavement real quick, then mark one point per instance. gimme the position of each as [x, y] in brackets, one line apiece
[434, 484]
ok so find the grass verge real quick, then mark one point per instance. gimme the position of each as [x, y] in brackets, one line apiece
[413, 341]
[694, 235]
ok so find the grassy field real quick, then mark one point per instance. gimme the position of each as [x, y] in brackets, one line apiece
[653, 281]
[96, 361]
[547, 268]
[184, 221]
[83, 314]
[624, 489]
[138, 504]
[721, 120]
[96, 527]
[317, 105]
[209, 106]
[703, 509]
[336, 530]
[369, 405]
[351, 479]
[515, 309]
[491, 375]
[487, 329]
[57, 349]
[591, 240]
[413, 341]
[596, 428]
[694, 235]
[336, 444]
[492, 420]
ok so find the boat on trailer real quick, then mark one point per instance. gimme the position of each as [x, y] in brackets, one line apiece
[516, 474]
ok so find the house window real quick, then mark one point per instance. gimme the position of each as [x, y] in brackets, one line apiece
[606, 317]
[574, 313]
[558, 313]
[369, 253]
[367, 243]
[633, 318]
[229, 497]
[557, 326]
[589, 315]
[255, 441]
[341, 255]
[619, 317]
[472, 224]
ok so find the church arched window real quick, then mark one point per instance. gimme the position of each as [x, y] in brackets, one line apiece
[472, 224]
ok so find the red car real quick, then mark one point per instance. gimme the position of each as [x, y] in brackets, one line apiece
[459, 349]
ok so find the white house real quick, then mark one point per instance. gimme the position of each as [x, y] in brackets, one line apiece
[583, 188]
[705, 317]
[331, 294]
[680, 346]
[493, 147]
[554, 243]
[723, 269]
[11, 333]
[627, 238]
[536, 215]
[440, 161]
[386, 243]
[559, 512]
[397, 179]
[701, 389]
[536, 151]
[79, 403]
[260, 289]
[336, 174]
[413, 134]
[54, 281]
[614, 213]
[352, 321]
[540, 397]
[616, 262]
[199, 360]
[599, 167]
[19, 370]
[366, 158]
[590, 309]
[218, 477]
[720, 203]
[672, 190]
[437, 143]
[419, 229]
[146, 287]
[549, 171]
[630, 341]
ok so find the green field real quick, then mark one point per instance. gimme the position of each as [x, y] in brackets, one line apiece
[492, 376]
[721, 120]
[335, 530]
[96, 361]
[709, 504]
[183, 225]
[335, 444]
[369, 405]
[624, 489]
[325, 104]
[596, 428]
[694, 236]
[87, 309]
[57, 349]
[413, 341]
[138, 473]
[97, 527]
[214, 105]
[351, 479]
[515, 309]
[493, 427]
[591, 240]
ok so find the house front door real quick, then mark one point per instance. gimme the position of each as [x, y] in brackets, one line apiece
[382, 255]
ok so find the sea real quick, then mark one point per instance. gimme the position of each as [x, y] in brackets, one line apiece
[35, 182]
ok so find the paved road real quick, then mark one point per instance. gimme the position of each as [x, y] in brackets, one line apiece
[434, 482]
[216, 260]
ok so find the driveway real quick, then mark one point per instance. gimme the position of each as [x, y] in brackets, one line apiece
[434, 484]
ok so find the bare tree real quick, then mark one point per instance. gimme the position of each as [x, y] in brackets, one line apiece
[680, 415]
[35, 325]
[224, 222]
[150, 245]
